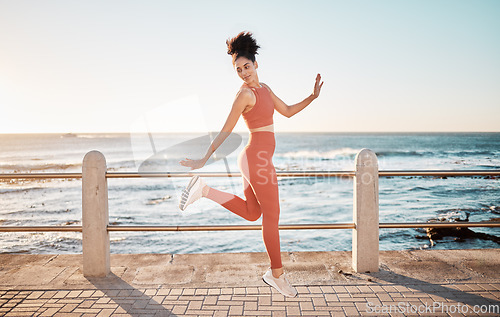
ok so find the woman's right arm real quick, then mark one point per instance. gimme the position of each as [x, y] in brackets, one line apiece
[242, 100]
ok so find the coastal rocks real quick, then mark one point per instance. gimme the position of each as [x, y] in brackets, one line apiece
[71, 222]
[492, 177]
[495, 209]
[459, 233]
[156, 201]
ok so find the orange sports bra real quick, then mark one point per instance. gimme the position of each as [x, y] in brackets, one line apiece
[261, 114]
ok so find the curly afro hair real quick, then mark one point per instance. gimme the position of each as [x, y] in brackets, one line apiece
[242, 45]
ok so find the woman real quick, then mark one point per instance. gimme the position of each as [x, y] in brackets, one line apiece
[256, 102]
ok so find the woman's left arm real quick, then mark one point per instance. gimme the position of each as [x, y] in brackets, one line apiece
[289, 111]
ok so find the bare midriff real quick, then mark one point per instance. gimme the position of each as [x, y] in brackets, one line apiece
[267, 128]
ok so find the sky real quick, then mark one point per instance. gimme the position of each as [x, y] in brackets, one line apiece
[161, 66]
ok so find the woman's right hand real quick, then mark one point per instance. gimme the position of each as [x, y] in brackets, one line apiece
[193, 164]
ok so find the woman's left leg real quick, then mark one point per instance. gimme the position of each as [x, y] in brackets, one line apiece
[258, 165]
[266, 191]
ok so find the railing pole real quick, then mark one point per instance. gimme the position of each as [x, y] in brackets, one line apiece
[365, 238]
[95, 216]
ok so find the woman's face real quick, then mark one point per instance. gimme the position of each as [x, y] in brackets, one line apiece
[246, 69]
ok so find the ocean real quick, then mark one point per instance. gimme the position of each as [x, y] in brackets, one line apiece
[153, 201]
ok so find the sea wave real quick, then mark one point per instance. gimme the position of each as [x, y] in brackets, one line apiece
[19, 190]
[92, 135]
[420, 153]
[328, 155]
[472, 152]
[351, 153]
[405, 153]
[17, 168]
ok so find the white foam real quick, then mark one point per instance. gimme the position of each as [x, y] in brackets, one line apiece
[332, 154]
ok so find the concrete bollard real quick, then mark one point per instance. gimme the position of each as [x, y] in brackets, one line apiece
[365, 237]
[95, 216]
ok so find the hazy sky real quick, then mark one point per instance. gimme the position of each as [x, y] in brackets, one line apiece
[119, 66]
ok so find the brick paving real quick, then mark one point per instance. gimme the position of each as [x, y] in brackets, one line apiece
[409, 283]
[375, 299]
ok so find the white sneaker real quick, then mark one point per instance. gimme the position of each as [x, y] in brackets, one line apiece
[281, 284]
[192, 193]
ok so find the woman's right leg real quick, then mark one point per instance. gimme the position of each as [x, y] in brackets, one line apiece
[248, 209]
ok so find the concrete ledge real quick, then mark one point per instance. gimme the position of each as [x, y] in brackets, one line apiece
[245, 269]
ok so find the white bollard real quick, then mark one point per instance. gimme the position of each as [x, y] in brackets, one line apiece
[95, 218]
[365, 237]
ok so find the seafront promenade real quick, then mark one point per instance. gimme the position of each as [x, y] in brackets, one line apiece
[420, 282]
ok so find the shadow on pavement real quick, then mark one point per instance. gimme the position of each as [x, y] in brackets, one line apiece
[447, 293]
[133, 301]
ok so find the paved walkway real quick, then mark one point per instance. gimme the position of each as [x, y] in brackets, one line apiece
[411, 283]
[327, 300]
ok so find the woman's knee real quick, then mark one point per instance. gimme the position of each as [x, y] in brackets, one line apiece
[254, 214]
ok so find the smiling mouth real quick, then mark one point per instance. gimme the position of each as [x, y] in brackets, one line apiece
[245, 78]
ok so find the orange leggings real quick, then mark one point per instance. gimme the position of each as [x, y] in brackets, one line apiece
[260, 186]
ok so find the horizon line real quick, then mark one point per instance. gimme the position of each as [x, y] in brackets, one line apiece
[198, 132]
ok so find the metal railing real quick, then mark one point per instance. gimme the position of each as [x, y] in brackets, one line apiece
[386, 173]
[319, 174]
[382, 225]
[362, 208]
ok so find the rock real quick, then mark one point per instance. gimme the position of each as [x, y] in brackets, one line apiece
[460, 233]
[158, 200]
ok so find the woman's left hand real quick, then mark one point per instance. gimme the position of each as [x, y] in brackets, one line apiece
[193, 164]
[317, 86]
